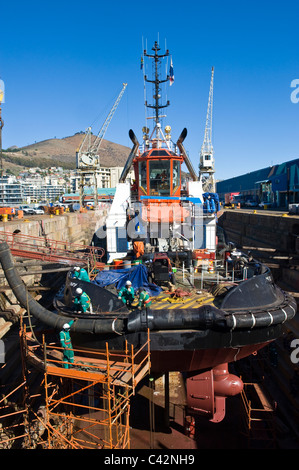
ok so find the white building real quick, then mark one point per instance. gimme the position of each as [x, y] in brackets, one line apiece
[106, 178]
[10, 191]
[32, 187]
[15, 191]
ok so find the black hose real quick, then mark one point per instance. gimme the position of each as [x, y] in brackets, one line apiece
[46, 316]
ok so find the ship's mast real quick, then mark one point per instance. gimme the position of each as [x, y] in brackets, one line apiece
[157, 82]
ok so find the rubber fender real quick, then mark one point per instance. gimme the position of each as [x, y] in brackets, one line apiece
[205, 317]
[42, 314]
[284, 312]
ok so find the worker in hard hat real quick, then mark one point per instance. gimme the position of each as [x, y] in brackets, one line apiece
[81, 274]
[66, 344]
[82, 301]
[127, 294]
[144, 299]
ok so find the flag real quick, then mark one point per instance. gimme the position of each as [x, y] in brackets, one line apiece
[141, 63]
[171, 75]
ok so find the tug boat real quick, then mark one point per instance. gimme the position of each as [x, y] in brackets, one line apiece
[222, 306]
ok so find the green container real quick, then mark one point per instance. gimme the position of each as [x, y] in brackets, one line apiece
[136, 262]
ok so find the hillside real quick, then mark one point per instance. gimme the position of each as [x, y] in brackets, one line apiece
[60, 152]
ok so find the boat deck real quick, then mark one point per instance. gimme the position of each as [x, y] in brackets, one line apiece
[167, 300]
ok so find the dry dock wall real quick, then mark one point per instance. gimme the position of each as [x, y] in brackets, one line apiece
[271, 230]
[275, 231]
[73, 227]
[76, 227]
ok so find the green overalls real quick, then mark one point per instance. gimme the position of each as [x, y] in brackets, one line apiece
[144, 299]
[126, 294]
[82, 275]
[84, 303]
[66, 344]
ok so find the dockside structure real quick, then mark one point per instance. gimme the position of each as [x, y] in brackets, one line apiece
[277, 184]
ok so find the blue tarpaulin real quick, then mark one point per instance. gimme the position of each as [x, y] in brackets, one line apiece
[137, 275]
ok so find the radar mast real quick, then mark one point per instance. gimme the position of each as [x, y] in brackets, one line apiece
[157, 106]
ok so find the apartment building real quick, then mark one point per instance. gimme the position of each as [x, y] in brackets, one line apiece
[15, 191]
[10, 191]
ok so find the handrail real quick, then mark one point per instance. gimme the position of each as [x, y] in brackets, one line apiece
[31, 243]
[115, 362]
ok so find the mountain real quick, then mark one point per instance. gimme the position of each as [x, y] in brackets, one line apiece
[61, 152]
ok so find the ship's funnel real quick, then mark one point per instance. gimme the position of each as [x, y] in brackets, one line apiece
[184, 153]
[182, 136]
[133, 137]
[130, 157]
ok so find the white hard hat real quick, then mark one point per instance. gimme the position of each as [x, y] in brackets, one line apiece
[128, 283]
[79, 291]
[76, 268]
[66, 326]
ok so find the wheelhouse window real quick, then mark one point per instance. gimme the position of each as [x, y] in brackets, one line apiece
[142, 176]
[176, 169]
[159, 175]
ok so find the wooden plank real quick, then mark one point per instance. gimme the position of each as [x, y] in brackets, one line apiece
[263, 399]
[142, 373]
[74, 373]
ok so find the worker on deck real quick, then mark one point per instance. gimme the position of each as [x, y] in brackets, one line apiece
[138, 248]
[127, 294]
[66, 344]
[144, 299]
[81, 274]
[82, 301]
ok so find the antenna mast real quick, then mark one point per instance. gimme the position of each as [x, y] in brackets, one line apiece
[157, 90]
[206, 165]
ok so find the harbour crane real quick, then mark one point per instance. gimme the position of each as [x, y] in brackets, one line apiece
[206, 165]
[87, 155]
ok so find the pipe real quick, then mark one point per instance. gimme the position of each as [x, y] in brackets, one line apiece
[130, 157]
[186, 158]
[46, 316]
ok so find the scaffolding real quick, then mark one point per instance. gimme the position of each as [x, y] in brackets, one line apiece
[79, 405]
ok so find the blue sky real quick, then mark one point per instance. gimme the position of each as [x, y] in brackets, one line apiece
[63, 64]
